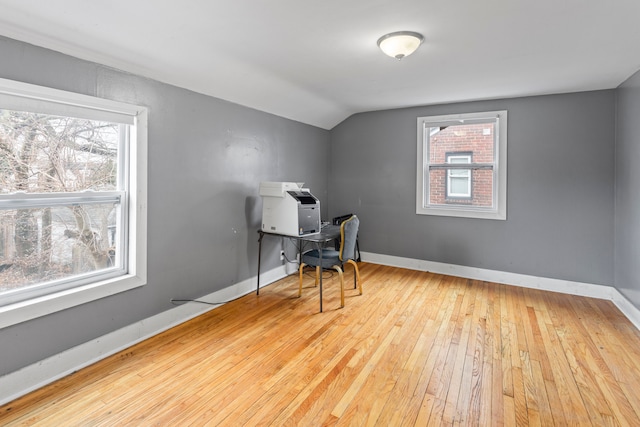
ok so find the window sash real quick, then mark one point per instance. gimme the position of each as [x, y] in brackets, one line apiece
[45, 200]
[48, 200]
[45, 288]
[449, 167]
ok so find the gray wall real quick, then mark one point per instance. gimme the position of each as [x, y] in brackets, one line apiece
[627, 235]
[207, 156]
[206, 159]
[560, 219]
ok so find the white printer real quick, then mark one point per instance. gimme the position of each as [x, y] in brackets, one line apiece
[289, 209]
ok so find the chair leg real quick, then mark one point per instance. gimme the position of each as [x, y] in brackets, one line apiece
[356, 275]
[339, 270]
[302, 265]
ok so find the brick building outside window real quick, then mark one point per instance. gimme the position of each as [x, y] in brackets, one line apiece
[462, 165]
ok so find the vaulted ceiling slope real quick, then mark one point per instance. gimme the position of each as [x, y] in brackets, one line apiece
[318, 62]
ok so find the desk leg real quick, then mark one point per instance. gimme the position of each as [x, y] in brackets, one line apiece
[321, 271]
[259, 256]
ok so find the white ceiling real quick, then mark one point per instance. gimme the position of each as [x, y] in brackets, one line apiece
[318, 62]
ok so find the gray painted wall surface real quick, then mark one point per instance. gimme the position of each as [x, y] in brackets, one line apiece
[206, 159]
[207, 156]
[560, 219]
[627, 235]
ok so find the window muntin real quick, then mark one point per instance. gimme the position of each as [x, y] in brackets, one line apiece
[72, 199]
[462, 165]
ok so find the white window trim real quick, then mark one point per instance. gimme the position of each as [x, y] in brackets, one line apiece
[499, 211]
[137, 256]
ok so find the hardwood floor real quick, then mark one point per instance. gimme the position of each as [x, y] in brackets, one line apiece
[416, 349]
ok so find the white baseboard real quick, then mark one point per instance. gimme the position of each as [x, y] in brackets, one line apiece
[543, 283]
[39, 374]
[46, 371]
[630, 311]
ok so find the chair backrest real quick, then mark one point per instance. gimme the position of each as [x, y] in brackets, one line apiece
[348, 237]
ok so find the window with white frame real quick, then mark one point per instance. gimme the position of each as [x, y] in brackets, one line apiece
[458, 180]
[72, 199]
[462, 165]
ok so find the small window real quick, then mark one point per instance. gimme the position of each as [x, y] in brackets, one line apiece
[462, 166]
[458, 180]
[72, 197]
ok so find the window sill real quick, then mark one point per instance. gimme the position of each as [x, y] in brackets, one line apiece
[463, 212]
[37, 307]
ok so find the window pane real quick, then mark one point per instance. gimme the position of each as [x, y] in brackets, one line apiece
[459, 159]
[475, 139]
[459, 186]
[458, 144]
[45, 153]
[46, 244]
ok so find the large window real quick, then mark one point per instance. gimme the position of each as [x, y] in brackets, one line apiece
[72, 199]
[462, 165]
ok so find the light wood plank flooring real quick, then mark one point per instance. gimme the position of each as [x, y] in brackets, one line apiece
[416, 349]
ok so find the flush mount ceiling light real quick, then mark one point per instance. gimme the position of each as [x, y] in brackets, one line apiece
[400, 44]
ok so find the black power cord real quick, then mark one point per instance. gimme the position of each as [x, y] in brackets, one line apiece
[174, 301]
[184, 301]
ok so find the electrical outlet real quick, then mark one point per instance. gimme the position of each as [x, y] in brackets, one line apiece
[281, 255]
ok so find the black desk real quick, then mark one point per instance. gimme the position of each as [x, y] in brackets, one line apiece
[328, 234]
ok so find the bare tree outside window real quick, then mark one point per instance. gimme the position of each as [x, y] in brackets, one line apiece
[47, 154]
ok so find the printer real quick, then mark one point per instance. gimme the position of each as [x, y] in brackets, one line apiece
[289, 209]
